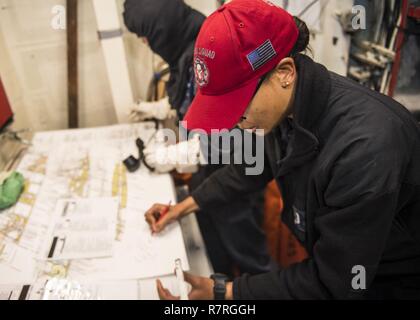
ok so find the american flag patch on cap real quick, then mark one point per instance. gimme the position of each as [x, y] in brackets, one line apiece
[261, 55]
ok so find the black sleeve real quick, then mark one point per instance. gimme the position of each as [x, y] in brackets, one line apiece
[229, 183]
[361, 201]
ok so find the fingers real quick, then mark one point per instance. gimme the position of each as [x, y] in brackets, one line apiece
[156, 221]
[151, 221]
[161, 224]
[164, 294]
[153, 214]
[202, 288]
[191, 279]
[194, 282]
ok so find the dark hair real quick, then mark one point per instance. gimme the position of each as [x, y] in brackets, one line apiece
[302, 43]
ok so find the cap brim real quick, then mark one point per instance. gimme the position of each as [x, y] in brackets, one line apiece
[209, 112]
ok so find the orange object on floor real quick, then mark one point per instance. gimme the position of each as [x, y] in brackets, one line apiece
[283, 246]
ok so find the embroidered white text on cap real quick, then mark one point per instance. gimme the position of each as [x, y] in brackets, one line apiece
[205, 53]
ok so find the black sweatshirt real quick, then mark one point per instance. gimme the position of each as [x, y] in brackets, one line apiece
[171, 27]
[349, 173]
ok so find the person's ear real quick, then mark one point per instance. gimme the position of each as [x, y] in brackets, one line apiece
[285, 73]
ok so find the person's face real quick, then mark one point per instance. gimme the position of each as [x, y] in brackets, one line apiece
[273, 99]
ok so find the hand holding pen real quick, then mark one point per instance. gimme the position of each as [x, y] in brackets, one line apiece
[159, 216]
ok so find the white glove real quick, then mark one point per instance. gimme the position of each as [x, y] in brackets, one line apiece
[146, 110]
[184, 156]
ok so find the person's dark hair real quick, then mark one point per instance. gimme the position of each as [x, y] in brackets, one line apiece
[302, 43]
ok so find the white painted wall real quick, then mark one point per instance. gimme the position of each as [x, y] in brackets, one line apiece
[33, 61]
[33, 66]
[205, 6]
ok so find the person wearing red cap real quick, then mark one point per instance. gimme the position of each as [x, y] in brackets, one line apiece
[346, 159]
[171, 27]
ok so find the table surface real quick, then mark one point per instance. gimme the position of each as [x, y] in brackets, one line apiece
[11, 152]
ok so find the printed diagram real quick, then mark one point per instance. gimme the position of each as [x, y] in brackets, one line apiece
[15, 219]
[79, 178]
[55, 269]
[119, 189]
[87, 163]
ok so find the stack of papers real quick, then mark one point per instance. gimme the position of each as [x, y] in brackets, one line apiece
[81, 215]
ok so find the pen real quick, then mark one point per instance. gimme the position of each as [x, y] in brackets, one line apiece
[165, 211]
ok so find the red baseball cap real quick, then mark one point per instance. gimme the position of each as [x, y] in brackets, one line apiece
[237, 45]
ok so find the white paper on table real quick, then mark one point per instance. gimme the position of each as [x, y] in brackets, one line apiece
[82, 228]
[44, 167]
[14, 292]
[139, 255]
[122, 290]
[17, 265]
[118, 290]
[22, 259]
[67, 289]
[51, 139]
[148, 288]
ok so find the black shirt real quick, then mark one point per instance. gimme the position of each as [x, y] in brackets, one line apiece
[350, 180]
